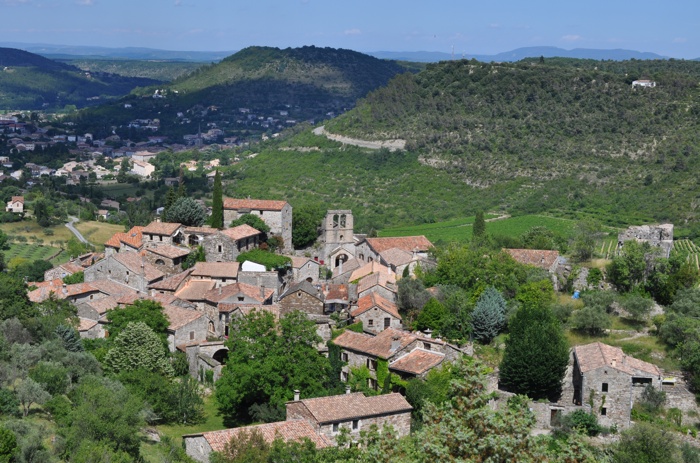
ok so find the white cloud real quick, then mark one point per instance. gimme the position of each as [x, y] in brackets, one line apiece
[352, 32]
[571, 38]
[680, 40]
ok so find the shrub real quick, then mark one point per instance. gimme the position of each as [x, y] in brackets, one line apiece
[580, 421]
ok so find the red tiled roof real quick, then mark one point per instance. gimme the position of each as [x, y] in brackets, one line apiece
[371, 300]
[298, 262]
[418, 361]
[224, 292]
[377, 279]
[346, 407]
[71, 267]
[179, 317]
[259, 204]
[61, 292]
[378, 346]
[169, 251]
[395, 256]
[113, 288]
[171, 283]
[161, 228]
[134, 262]
[405, 243]
[86, 324]
[334, 292]
[597, 355]
[18, 199]
[195, 290]
[240, 232]
[216, 269]
[537, 257]
[294, 430]
[101, 306]
[132, 238]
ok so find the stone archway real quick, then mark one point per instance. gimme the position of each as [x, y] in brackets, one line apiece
[221, 356]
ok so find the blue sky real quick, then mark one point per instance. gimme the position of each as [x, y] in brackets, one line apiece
[668, 28]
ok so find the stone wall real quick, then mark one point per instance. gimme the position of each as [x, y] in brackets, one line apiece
[198, 328]
[301, 300]
[401, 422]
[270, 280]
[660, 236]
[220, 248]
[280, 222]
[373, 320]
[198, 448]
[110, 269]
[381, 290]
[309, 271]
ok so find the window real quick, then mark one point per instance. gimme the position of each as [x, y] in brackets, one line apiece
[344, 376]
[161, 237]
[641, 381]
[355, 425]
[211, 327]
[370, 323]
[299, 294]
[335, 427]
[344, 356]
[191, 335]
[372, 383]
[261, 212]
[387, 322]
[240, 298]
[219, 248]
[604, 388]
[372, 364]
[91, 296]
[160, 262]
[223, 280]
[226, 331]
[603, 411]
[426, 345]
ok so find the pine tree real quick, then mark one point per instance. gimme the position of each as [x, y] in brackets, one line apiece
[479, 227]
[489, 316]
[170, 198]
[217, 207]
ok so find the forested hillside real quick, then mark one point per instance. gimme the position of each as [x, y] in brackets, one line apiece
[575, 133]
[29, 81]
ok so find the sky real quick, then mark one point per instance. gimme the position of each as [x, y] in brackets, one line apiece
[670, 28]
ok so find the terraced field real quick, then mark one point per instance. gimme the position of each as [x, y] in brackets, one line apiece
[36, 252]
[689, 249]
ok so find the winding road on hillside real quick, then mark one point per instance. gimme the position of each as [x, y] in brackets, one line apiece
[74, 230]
[392, 145]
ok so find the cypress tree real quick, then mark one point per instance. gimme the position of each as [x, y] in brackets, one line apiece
[479, 227]
[217, 208]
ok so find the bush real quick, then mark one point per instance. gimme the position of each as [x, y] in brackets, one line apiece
[653, 399]
[580, 421]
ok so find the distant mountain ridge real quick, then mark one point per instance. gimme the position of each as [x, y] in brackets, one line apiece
[521, 53]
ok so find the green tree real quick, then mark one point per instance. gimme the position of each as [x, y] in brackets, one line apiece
[489, 315]
[77, 277]
[15, 303]
[267, 361]
[217, 208]
[628, 270]
[170, 199]
[124, 169]
[591, 320]
[646, 443]
[306, 223]
[142, 310]
[52, 376]
[138, 346]
[433, 316]
[479, 227]
[29, 392]
[70, 338]
[536, 353]
[9, 404]
[586, 233]
[538, 238]
[8, 445]
[187, 212]
[43, 212]
[252, 220]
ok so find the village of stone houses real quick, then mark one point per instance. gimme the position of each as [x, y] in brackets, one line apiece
[383, 316]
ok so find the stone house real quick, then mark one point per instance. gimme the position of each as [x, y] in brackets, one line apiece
[128, 268]
[381, 283]
[610, 381]
[337, 297]
[170, 284]
[162, 233]
[354, 412]
[222, 273]
[376, 313]
[16, 205]
[391, 345]
[199, 446]
[186, 326]
[75, 293]
[131, 241]
[90, 329]
[167, 258]
[194, 236]
[541, 258]
[61, 271]
[369, 249]
[659, 236]
[226, 245]
[276, 214]
[304, 268]
[302, 296]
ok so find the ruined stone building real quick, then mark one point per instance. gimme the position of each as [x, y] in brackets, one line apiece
[276, 214]
[659, 236]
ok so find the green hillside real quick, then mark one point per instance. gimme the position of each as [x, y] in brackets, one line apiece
[29, 81]
[574, 134]
[163, 71]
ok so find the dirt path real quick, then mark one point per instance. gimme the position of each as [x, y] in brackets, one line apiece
[392, 145]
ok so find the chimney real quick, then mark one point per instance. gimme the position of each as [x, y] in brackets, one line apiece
[614, 362]
[65, 291]
[395, 342]
[347, 390]
[262, 292]
[428, 333]
[296, 395]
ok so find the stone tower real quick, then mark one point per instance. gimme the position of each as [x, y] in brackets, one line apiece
[338, 233]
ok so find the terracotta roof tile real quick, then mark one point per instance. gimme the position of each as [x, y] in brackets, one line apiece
[113, 288]
[259, 204]
[254, 292]
[371, 300]
[377, 346]
[346, 407]
[240, 232]
[377, 279]
[405, 243]
[101, 306]
[179, 317]
[61, 292]
[85, 324]
[134, 262]
[171, 283]
[18, 199]
[71, 268]
[537, 257]
[597, 355]
[299, 262]
[418, 361]
[132, 238]
[195, 290]
[368, 269]
[349, 266]
[335, 292]
[396, 256]
[161, 228]
[216, 269]
[294, 430]
[169, 251]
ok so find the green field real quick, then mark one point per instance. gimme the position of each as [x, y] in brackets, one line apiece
[36, 252]
[689, 249]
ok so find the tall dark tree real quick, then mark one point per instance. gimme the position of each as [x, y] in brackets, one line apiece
[479, 227]
[489, 316]
[217, 206]
[187, 212]
[536, 354]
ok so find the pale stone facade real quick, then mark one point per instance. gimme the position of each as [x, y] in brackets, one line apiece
[276, 214]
